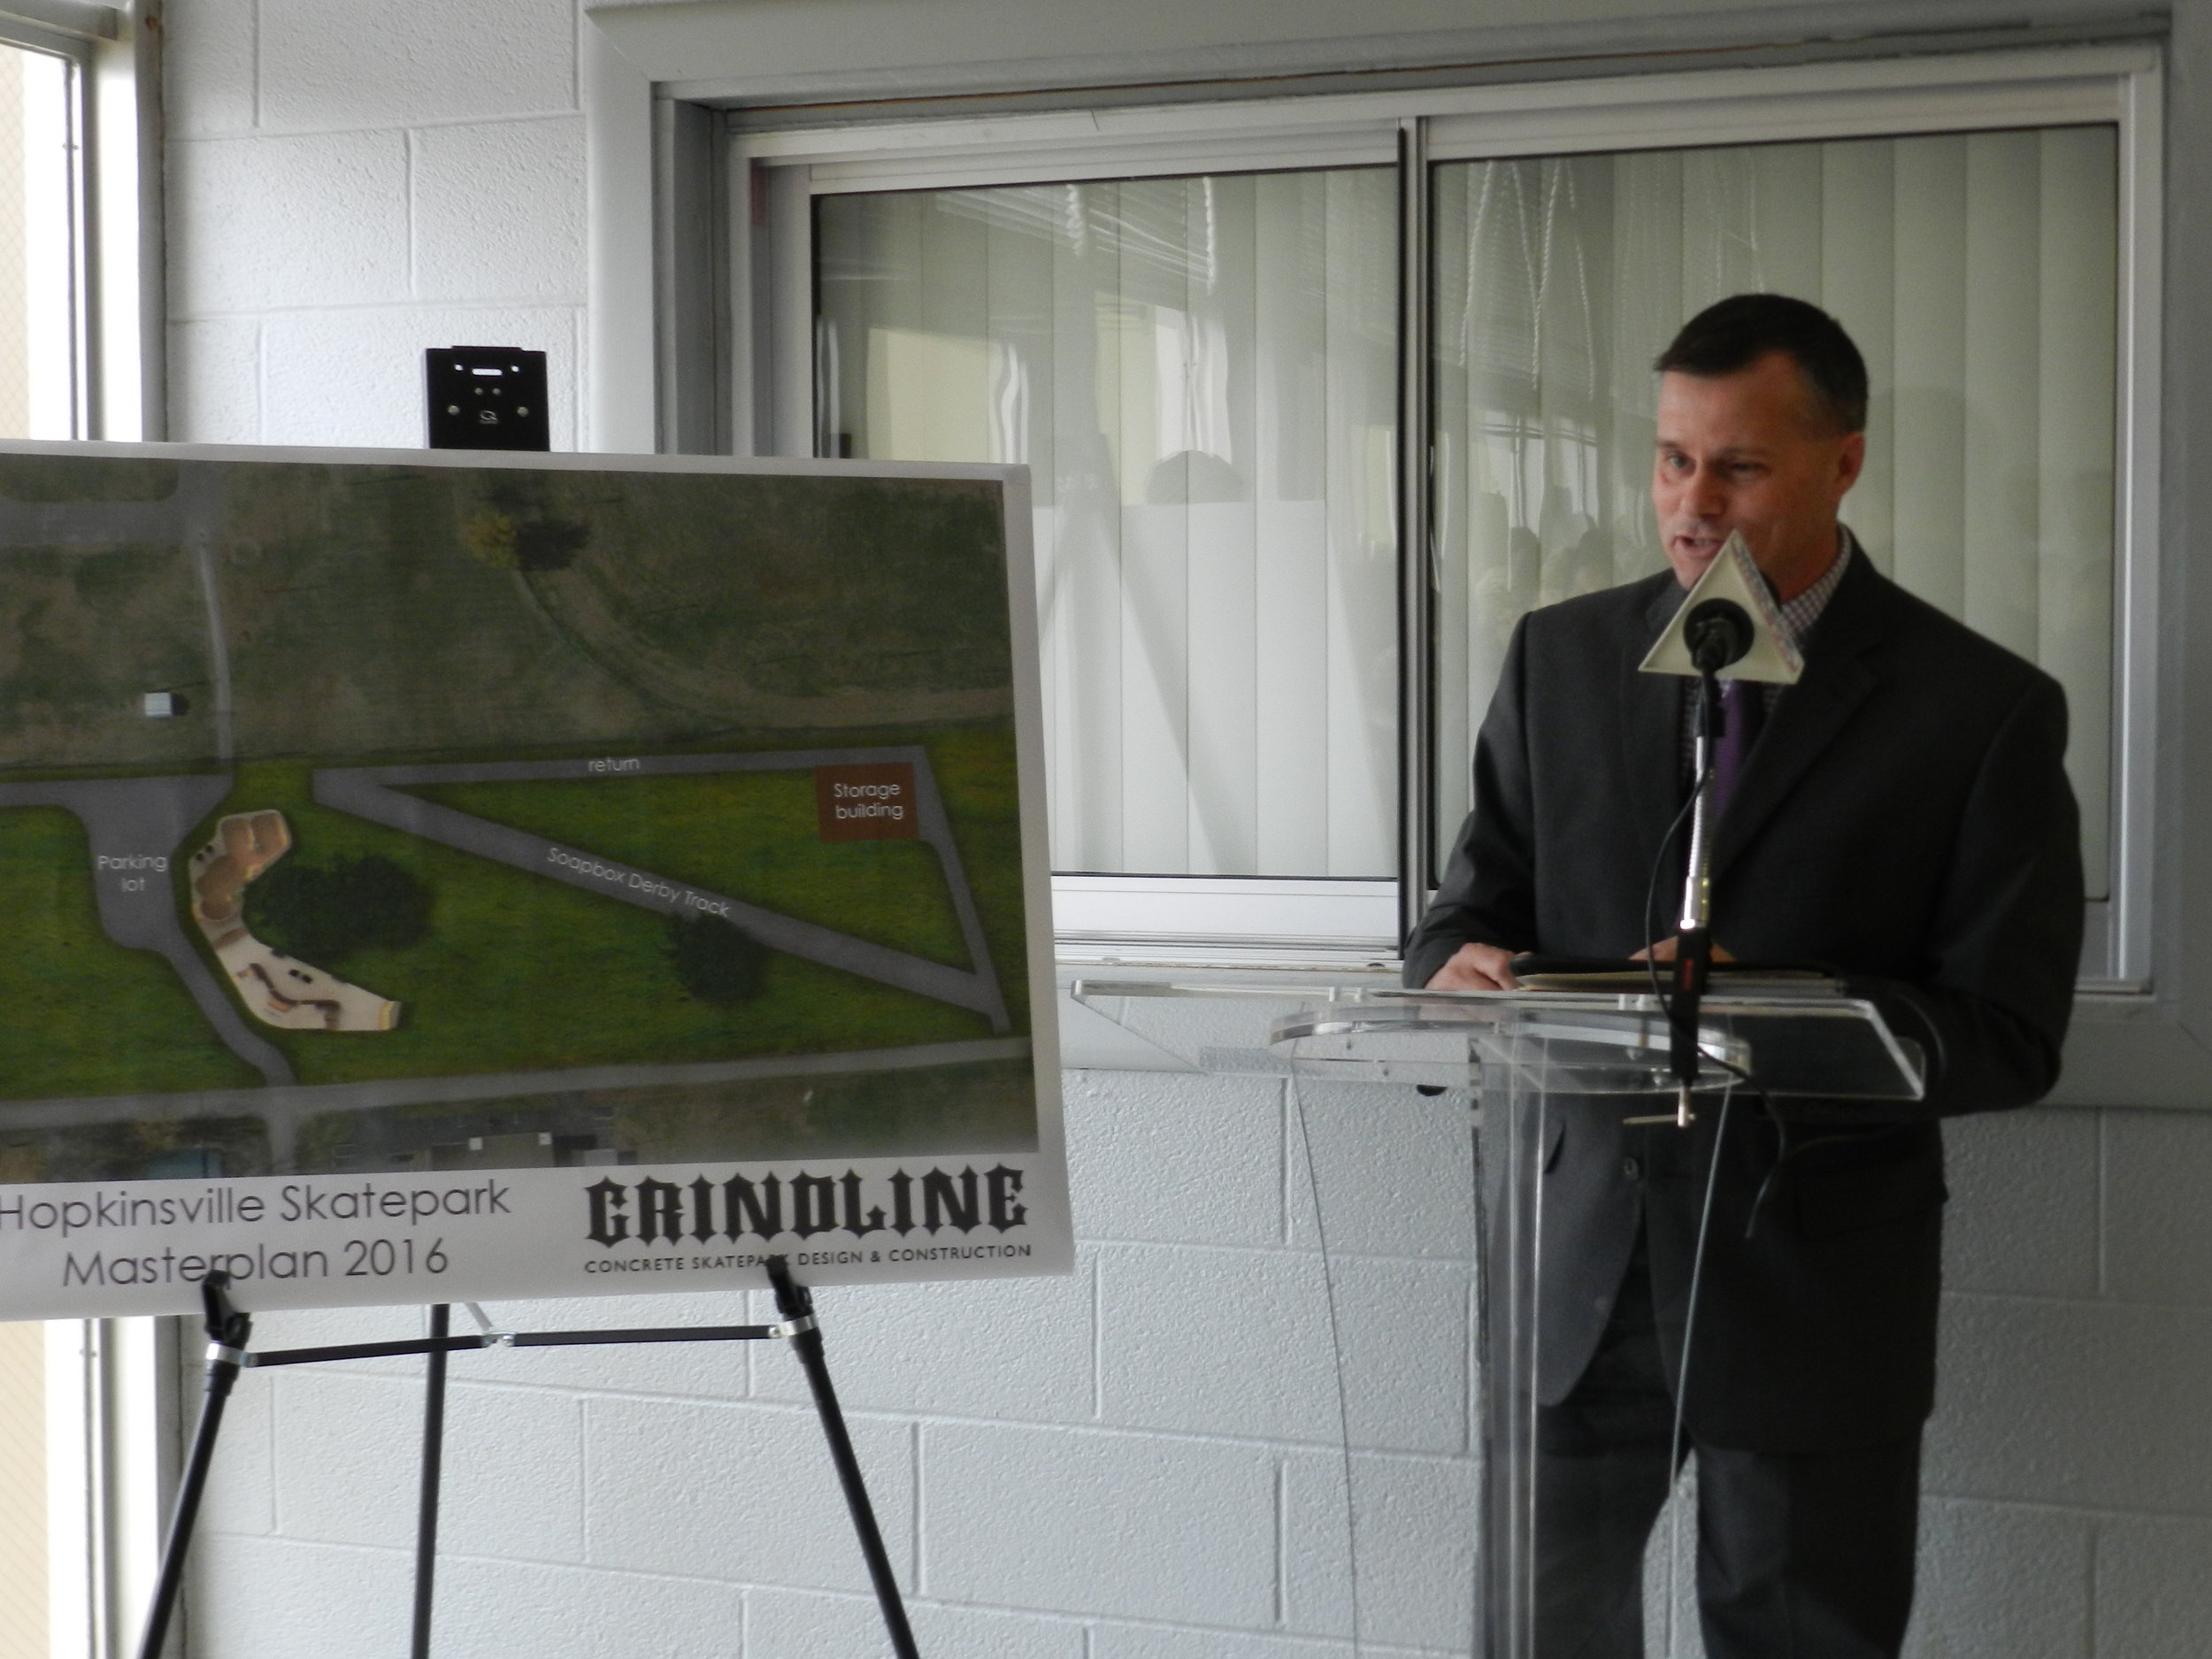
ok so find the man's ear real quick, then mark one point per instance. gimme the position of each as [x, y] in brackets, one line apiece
[1850, 462]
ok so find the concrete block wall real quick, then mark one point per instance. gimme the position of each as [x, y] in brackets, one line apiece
[2070, 1459]
[1141, 1462]
[2067, 1481]
[1145, 1461]
[349, 183]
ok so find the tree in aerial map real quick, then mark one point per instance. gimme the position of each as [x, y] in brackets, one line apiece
[716, 962]
[325, 912]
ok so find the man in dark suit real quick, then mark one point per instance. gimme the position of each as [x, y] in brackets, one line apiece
[1902, 816]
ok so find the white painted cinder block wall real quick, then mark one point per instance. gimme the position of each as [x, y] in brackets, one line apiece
[1138, 1462]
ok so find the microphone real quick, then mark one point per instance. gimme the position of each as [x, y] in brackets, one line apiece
[1728, 625]
[1718, 634]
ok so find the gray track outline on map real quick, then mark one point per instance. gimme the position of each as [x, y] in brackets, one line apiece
[377, 794]
[102, 526]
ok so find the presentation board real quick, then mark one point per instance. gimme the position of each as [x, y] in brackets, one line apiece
[432, 878]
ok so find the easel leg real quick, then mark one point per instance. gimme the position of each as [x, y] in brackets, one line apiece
[433, 1470]
[228, 1333]
[794, 1302]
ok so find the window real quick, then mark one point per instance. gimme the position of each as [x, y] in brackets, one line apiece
[1319, 395]
[79, 1401]
[1202, 374]
[1989, 482]
[81, 275]
[41, 376]
[48, 1514]
[24, 1623]
[41, 396]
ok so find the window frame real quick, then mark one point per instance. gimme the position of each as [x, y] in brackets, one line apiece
[112, 1390]
[78, 51]
[735, 356]
[113, 1424]
[117, 278]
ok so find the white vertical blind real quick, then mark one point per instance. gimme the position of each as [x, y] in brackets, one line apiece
[1977, 273]
[1202, 374]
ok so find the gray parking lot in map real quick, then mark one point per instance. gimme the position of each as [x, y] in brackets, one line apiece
[192, 512]
[137, 827]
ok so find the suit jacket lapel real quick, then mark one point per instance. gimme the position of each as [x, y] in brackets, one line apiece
[1651, 729]
[1809, 716]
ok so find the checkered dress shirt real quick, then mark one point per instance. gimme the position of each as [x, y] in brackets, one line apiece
[1798, 616]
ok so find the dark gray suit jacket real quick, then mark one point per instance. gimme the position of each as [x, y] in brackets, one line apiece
[1904, 819]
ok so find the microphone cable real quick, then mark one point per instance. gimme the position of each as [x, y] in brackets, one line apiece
[1484, 1382]
[1659, 863]
[1786, 1154]
[1295, 1101]
[1675, 1450]
[1651, 898]
[1738, 1076]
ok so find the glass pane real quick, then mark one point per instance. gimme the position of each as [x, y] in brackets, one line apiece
[1201, 375]
[1990, 455]
[38, 331]
[23, 1555]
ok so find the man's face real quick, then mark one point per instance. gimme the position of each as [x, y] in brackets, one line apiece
[1749, 451]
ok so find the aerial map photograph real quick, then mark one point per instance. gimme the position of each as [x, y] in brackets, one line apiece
[387, 817]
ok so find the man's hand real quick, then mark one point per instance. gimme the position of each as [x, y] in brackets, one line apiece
[1476, 968]
[1663, 951]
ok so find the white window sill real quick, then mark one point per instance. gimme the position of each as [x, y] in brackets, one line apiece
[1230, 921]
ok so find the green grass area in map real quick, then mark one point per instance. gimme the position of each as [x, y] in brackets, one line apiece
[520, 973]
[750, 834]
[85, 1015]
[88, 634]
[942, 1109]
[754, 835]
[412, 610]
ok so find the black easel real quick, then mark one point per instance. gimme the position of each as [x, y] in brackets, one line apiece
[228, 1331]
[433, 1474]
[795, 1303]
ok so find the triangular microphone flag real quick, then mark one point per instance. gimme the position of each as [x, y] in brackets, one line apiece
[1732, 575]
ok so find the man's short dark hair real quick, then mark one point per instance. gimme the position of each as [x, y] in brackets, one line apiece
[1734, 333]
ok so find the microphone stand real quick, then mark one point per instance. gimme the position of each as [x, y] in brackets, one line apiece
[1693, 940]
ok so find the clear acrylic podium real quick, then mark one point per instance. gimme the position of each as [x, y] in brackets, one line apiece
[1516, 1053]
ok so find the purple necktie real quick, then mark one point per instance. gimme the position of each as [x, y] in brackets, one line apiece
[1743, 707]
